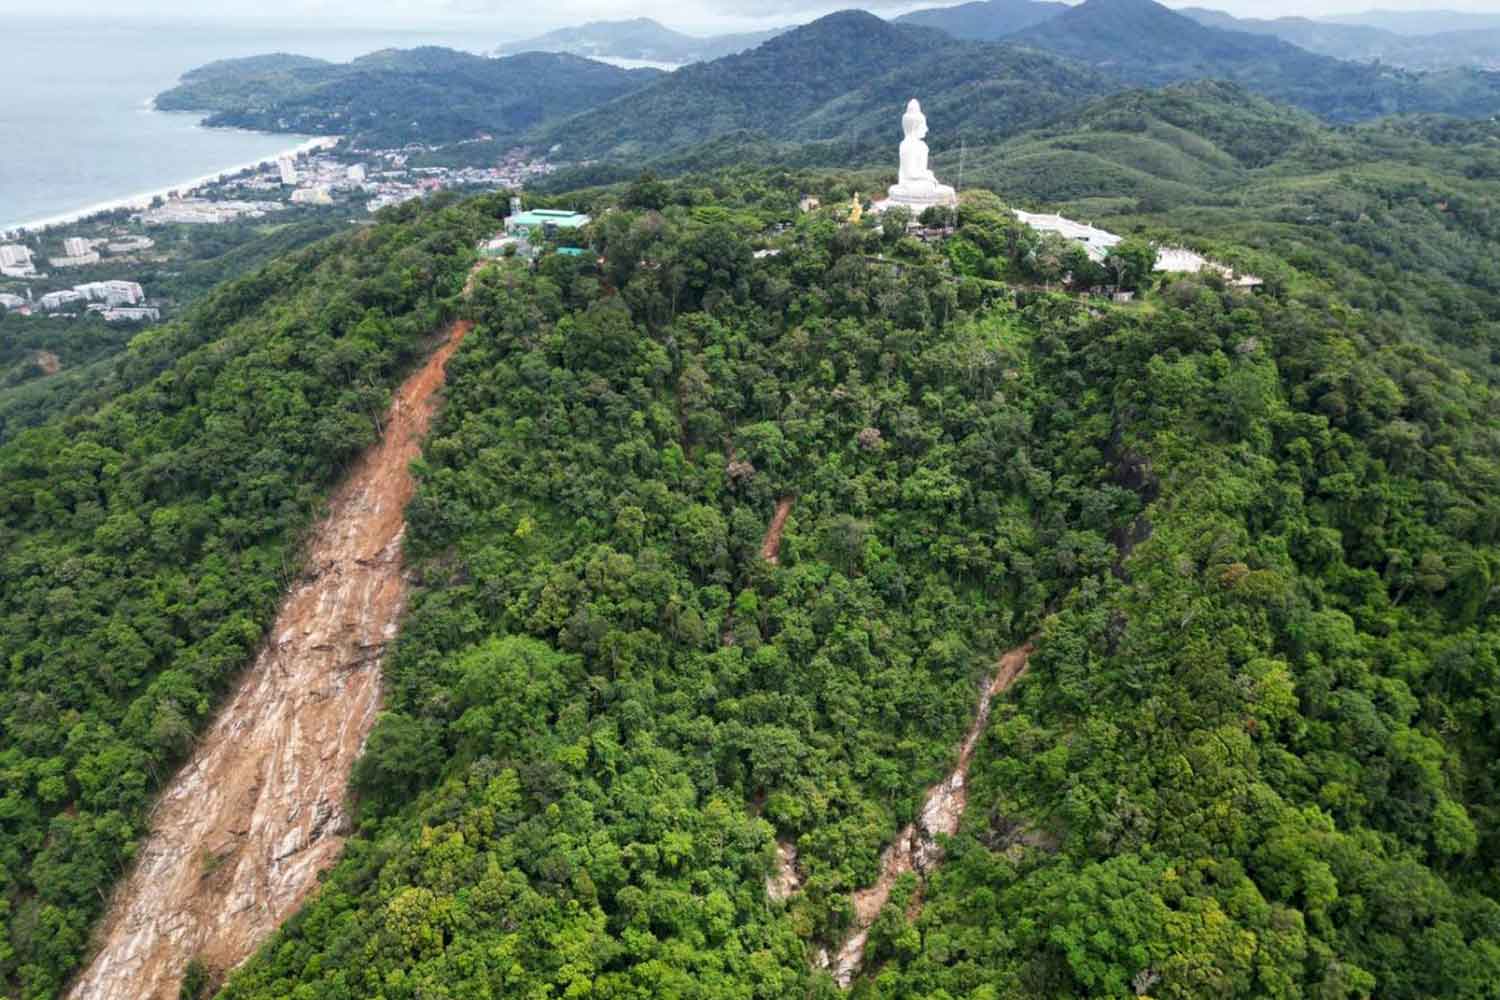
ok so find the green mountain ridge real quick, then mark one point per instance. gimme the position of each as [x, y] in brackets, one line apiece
[1146, 43]
[400, 95]
[812, 84]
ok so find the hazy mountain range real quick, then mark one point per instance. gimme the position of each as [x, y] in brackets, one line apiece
[811, 84]
[1429, 40]
[639, 38]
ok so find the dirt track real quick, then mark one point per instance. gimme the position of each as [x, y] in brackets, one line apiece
[770, 548]
[242, 831]
[916, 846]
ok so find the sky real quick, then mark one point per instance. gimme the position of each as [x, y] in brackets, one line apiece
[502, 19]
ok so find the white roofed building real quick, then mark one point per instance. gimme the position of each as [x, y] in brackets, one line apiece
[1096, 241]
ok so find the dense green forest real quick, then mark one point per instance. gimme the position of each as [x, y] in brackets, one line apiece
[144, 543]
[1252, 536]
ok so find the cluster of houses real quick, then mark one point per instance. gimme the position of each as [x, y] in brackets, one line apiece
[116, 301]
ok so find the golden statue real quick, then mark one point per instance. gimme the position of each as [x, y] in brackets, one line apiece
[856, 211]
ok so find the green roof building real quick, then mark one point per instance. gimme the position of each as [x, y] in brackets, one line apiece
[546, 220]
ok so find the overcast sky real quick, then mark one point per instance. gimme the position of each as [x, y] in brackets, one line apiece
[503, 19]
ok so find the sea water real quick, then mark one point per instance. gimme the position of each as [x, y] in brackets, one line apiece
[76, 125]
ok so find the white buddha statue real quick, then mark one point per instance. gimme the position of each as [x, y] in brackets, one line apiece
[916, 185]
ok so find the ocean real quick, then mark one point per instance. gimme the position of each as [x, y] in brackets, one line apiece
[76, 127]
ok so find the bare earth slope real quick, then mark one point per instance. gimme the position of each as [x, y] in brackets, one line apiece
[916, 847]
[241, 833]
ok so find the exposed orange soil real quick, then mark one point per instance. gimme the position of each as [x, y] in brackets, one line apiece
[240, 834]
[916, 847]
[770, 549]
[49, 363]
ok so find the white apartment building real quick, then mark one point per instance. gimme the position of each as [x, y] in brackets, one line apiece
[113, 293]
[76, 246]
[14, 255]
[56, 300]
[288, 171]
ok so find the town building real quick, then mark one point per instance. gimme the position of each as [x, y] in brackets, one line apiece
[113, 293]
[10, 302]
[77, 246]
[75, 260]
[56, 300]
[312, 196]
[15, 261]
[288, 171]
[356, 174]
[131, 244]
[131, 314]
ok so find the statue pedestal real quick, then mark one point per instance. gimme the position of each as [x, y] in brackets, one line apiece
[918, 198]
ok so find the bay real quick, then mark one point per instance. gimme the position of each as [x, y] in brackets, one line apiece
[76, 126]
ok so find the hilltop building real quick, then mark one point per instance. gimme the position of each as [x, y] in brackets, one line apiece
[1097, 242]
[544, 222]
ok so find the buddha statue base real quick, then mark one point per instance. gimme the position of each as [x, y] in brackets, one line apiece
[918, 197]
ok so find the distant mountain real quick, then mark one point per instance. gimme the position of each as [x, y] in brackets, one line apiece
[985, 20]
[640, 38]
[1342, 41]
[400, 95]
[1143, 42]
[1361, 43]
[814, 82]
[1420, 22]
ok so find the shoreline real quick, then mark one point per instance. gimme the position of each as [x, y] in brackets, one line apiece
[143, 199]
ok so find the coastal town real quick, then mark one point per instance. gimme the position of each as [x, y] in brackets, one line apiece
[94, 265]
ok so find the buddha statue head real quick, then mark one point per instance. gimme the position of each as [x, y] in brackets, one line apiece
[914, 123]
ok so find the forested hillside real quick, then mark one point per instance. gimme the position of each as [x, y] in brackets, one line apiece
[837, 78]
[144, 544]
[1143, 42]
[1252, 539]
[1251, 536]
[398, 96]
